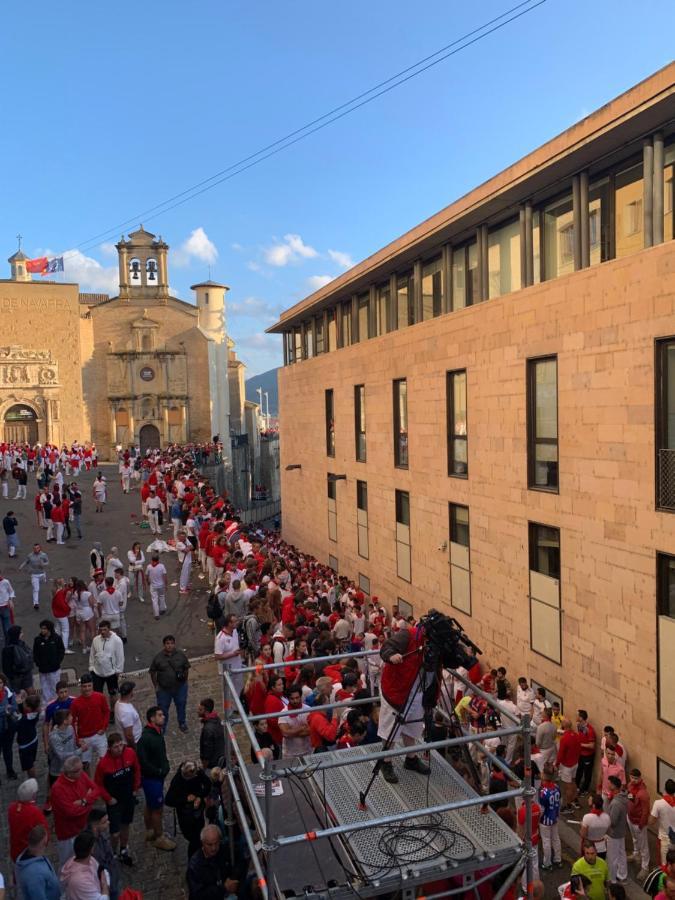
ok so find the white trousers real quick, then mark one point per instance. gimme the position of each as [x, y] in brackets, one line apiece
[65, 851]
[48, 685]
[96, 744]
[535, 871]
[59, 532]
[36, 581]
[62, 628]
[640, 843]
[550, 839]
[153, 519]
[185, 572]
[616, 858]
[158, 599]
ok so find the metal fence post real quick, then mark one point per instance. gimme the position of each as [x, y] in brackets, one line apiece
[270, 844]
[227, 709]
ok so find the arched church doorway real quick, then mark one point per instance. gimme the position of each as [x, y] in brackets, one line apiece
[21, 425]
[149, 438]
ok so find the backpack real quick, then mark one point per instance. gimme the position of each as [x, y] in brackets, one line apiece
[651, 883]
[213, 608]
[23, 659]
[244, 642]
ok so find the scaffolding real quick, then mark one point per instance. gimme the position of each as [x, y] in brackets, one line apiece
[418, 832]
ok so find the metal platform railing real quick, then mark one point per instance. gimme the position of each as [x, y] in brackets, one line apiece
[336, 775]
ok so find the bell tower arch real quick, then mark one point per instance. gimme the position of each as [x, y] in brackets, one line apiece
[143, 269]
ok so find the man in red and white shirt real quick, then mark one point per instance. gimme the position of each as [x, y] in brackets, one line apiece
[569, 750]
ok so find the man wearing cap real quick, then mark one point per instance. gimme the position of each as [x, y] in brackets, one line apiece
[127, 720]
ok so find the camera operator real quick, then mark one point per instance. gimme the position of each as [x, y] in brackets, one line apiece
[401, 690]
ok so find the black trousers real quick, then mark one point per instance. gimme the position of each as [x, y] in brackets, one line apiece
[110, 680]
[584, 773]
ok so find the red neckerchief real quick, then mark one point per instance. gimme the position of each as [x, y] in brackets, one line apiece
[548, 784]
[154, 727]
[670, 799]
[110, 590]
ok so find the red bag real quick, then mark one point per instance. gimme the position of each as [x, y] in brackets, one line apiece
[131, 894]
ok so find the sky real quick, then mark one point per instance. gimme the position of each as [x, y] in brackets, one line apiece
[110, 109]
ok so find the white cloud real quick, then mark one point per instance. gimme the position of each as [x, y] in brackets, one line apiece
[318, 281]
[253, 266]
[108, 249]
[259, 351]
[254, 307]
[90, 274]
[237, 247]
[342, 259]
[198, 246]
[292, 249]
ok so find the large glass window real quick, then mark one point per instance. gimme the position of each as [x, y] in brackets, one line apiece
[362, 518]
[360, 421]
[346, 322]
[320, 343]
[465, 276]
[332, 508]
[665, 622]
[558, 238]
[460, 571]
[382, 308]
[297, 343]
[665, 423]
[458, 459]
[432, 288]
[504, 259]
[330, 422]
[668, 193]
[403, 569]
[309, 340]
[401, 423]
[405, 300]
[542, 423]
[545, 607]
[598, 221]
[628, 212]
[364, 326]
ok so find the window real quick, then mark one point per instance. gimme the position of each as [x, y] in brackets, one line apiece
[598, 221]
[364, 584]
[668, 170]
[403, 535]
[665, 611]
[362, 518]
[465, 276]
[297, 342]
[346, 321]
[290, 347]
[628, 211]
[206, 298]
[330, 423]
[382, 308]
[332, 508]
[320, 346]
[542, 423]
[404, 608]
[309, 340]
[460, 571]
[550, 695]
[545, 613]
[364, 312]
[146, 341]
[405, 300]
[332, 332]
[360, 421]
[664, 771]
[401, 423]
[558, 238]
[665, 423]
[333, 563]
[504, 259]
[432, 288]
[458, 456]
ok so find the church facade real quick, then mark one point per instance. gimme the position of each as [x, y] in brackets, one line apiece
[143, 367]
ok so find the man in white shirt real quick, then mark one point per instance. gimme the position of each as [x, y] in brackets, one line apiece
[157, 579]
[663, 812]
[126, 472]
[525, 697]
[539, 705]
[294, 726]
[7, 597]
[109, 601]
[153, 505]
[127, 720]
[226, 651]
[509, 706]
[122, 586]
[106, 659]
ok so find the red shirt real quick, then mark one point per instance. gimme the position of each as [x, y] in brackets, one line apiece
[587, 738]
[90, 714]
[536, 812]
[22, 818]
[274, 703]
[60, 607]
[70, 814]
[569, 749]
[124, 770]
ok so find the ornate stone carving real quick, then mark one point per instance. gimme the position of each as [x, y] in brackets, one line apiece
[27, 368]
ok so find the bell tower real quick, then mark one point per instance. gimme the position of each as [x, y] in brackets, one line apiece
[144, 275]
[18, 266]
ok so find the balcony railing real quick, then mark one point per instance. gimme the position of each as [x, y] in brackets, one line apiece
[666, 480]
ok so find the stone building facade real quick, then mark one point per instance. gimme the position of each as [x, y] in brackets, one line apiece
[480, 417]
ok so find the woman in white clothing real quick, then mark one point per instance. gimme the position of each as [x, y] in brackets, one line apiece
[137, 580]
[85, 621]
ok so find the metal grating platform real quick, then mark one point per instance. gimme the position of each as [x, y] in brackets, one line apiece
[470, 836]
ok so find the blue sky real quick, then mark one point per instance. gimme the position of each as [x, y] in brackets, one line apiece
[109, 109]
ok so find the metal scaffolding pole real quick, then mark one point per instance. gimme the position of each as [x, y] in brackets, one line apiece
[247, 834]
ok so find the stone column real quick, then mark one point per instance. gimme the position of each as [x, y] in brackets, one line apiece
[48, 420]
[584, 221]
[123, 270]
[657, 209]
[648, 188]
[576, 218]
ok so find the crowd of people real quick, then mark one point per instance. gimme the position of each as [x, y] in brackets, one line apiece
[270, 605]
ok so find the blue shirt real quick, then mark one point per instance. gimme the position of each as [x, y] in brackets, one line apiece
[53, 707]
[549, 801]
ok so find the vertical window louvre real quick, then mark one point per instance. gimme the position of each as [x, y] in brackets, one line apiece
[362, 518]
[432, 288]
[364, 314]
[403, 567]
[460, 570]
[665, 424]
[382, 308]
[360, 421]
[401, 423]
[542, 423]
[458, 458]
[320, 346]
[405, 300]
[346, 321]
[545, 608]
[332, 509]
[558, 223]
[330, 423]
[665, 602]
[332, 331]
[504, 259]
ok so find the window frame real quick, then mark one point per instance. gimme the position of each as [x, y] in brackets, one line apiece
[531, 423]
[396, 389]
[451, 437]
[360, 420]
[398, 497]
[530, 530]
[329, 416]
[362, 486]
[332, 513]
[363, 581]
[409, 274]
[661, 584]
[452, 507]
[660, 415]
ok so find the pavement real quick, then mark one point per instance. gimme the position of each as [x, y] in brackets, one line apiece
[118, 526]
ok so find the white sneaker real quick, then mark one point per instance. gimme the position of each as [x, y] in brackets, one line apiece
[142, 599]
[69, 652]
